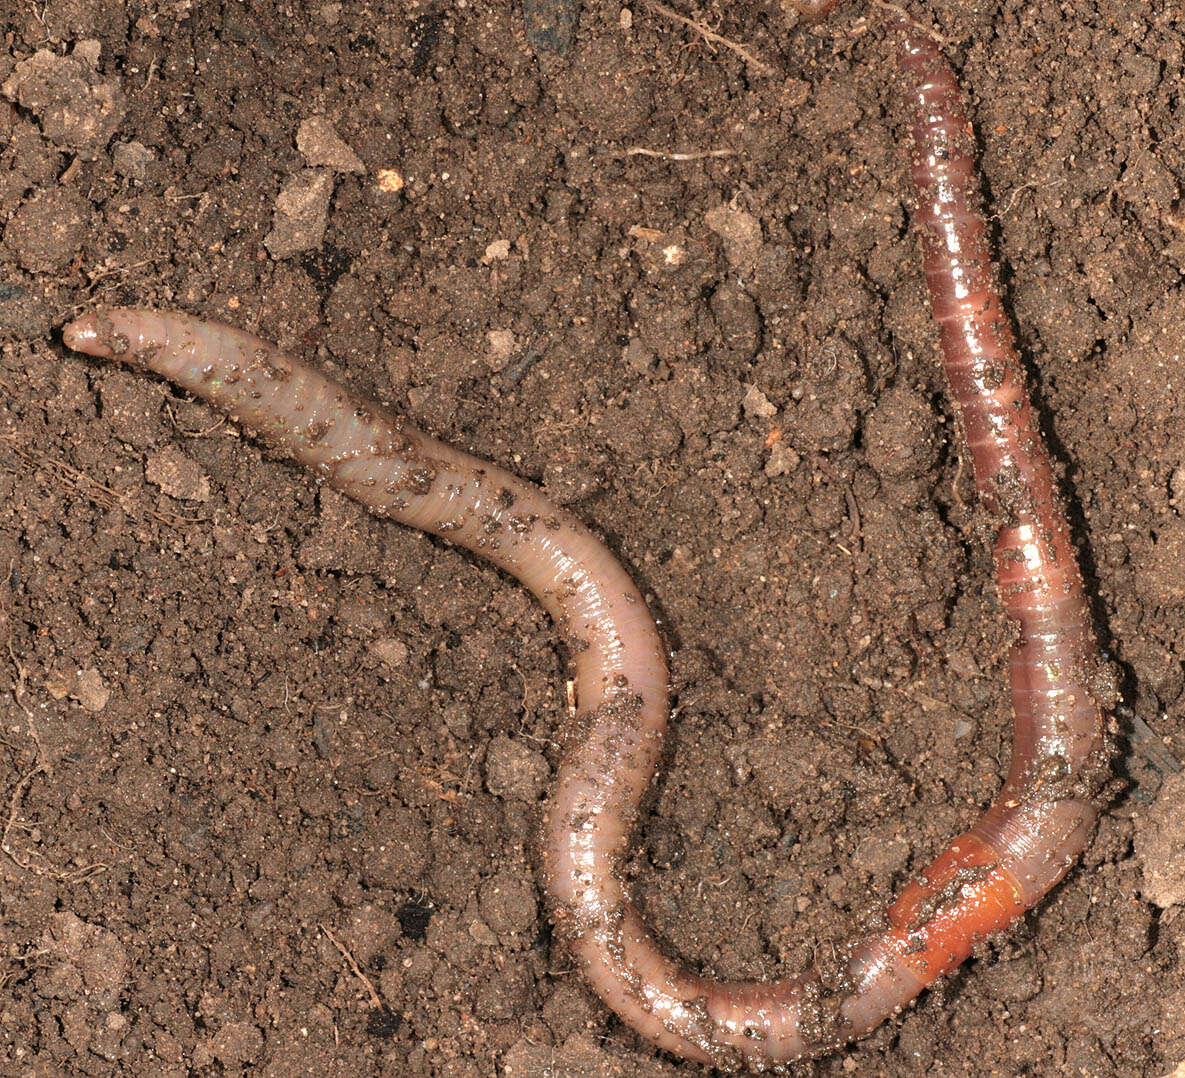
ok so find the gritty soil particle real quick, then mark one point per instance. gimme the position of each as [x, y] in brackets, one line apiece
[1160, 845]
[302, 214]
[92, 962]
[48, 231]
[77, 109]
[244, 720]
[515, 770]
[901, 434]
[320, 144]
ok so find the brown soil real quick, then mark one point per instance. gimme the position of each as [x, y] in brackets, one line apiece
[247, 729]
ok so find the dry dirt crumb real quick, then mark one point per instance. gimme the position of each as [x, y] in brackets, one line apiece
[320, 144]
[78, 110]
[176, 474]
[740, 233]
[1160, 845]
[93, 962]
[132, 159]
[89, 690]
[302, 213]
[48, 231]
[515, 770]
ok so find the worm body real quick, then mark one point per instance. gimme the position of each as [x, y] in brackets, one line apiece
[1040, 822]
[978, 885]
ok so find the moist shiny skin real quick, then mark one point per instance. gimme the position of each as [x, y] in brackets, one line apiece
[978, 885]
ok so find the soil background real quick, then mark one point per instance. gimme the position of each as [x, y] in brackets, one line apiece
[247, 729]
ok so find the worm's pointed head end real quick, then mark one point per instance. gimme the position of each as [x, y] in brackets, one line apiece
[96, 335]
[82, 334]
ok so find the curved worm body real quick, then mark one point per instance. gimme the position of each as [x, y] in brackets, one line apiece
[978, 885]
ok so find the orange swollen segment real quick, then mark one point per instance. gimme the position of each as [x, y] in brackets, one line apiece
[964, 896]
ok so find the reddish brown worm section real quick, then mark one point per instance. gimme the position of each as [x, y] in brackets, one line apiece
[978, 885]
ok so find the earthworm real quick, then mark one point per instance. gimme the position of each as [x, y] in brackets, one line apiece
[979, 884]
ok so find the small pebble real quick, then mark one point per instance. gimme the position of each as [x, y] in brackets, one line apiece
[758, 404]
[497, 251]
[88, 689]
[502, 345]
[391, 181]
[390, 652]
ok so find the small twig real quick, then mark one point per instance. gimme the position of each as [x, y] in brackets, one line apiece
[954, 484]
[18, 694]
[374, 996]
[25, 862]
[191, 433]
[1030, 185]
[99, 494]
[710, 36]
[42, 767]
[691, 155]
[20, 685]
[14, 806]
[108, 270]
